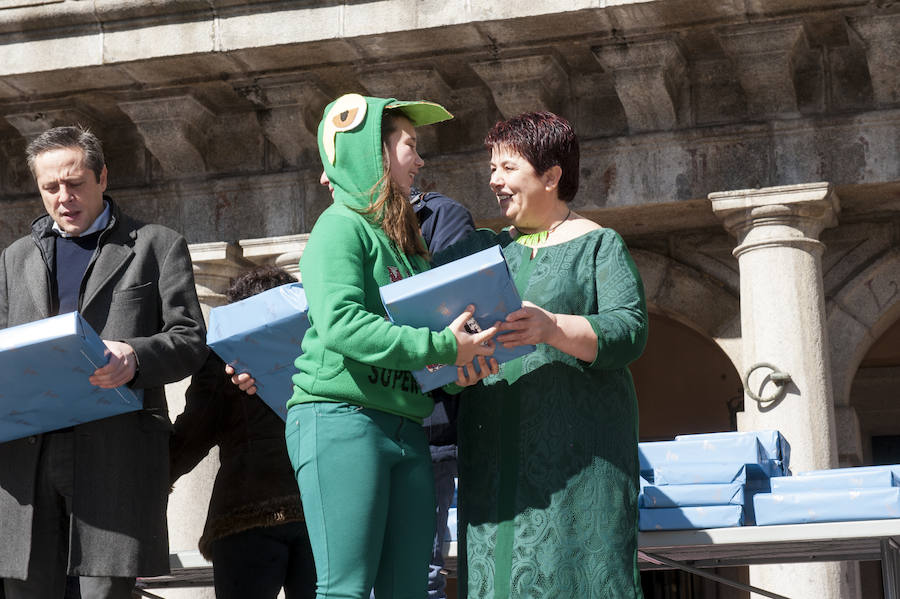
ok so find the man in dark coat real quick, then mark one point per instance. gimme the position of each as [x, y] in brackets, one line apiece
[90, 500]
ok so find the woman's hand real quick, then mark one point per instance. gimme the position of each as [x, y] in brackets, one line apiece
[467, 376]
[244, 381]
[470, 345]
[529, 325]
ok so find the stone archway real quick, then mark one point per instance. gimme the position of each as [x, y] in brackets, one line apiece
[685, 383]
[858, 315]
[690, 369]
[863, 316]
[861, 311]
[692, 298]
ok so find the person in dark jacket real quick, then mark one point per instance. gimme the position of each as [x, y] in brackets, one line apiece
[255, 535]
[443, 221]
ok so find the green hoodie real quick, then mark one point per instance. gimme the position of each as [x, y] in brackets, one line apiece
[351, 352]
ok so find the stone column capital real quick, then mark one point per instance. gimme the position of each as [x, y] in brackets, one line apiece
[787, 215]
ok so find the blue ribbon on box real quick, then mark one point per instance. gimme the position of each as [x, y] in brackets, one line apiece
[262, 335]
[434, 298]
[45, 367]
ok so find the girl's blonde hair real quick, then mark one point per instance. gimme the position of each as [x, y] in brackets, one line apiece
[388, 207]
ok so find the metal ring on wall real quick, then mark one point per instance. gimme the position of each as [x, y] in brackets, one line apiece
[781, 379]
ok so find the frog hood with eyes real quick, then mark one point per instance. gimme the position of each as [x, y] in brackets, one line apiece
[349, 139]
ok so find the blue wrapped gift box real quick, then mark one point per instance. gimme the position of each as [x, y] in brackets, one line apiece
[666, 496]
[685, 518]
[842, 479]
[695, 474]
[715, 448]
[433, 299]
[893, 468]
[44, 366]
[827, 506]
[262, 335]
[724, 450]
[774, 446]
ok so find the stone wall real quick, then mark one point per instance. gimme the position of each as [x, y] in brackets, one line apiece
[208, 108]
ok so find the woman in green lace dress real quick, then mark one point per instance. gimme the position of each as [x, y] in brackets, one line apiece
[548, 447]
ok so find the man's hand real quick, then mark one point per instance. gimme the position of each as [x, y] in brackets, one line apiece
[244, 381]
[120, 369]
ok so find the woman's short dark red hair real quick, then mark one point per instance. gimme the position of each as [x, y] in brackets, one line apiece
[544, 139]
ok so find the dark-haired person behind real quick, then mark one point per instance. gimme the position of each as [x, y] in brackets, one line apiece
[254, 534]
[548, 447]
[443, 221]
[90, 500]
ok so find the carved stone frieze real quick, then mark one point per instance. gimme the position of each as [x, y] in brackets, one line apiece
[764, 57]
[529, 83]
[288, 112]
[33, 123]
[175, 130]
[881, 36]
[650, 80]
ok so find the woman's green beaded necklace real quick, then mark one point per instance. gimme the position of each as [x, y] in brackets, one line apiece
[535, 239]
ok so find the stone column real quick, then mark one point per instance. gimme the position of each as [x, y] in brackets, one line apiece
[783, 323]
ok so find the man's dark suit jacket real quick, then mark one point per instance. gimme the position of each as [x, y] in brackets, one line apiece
[139, 289]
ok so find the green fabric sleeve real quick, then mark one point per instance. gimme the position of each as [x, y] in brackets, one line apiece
[453, 389]
[621, 323]
[345, 305]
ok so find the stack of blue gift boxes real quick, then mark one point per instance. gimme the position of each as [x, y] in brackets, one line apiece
[708, 480]
[720, 480]
[839, 495]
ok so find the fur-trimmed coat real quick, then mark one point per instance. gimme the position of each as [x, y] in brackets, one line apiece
[255, 484]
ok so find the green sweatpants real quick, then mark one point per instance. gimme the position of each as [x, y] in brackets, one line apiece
[368, 497]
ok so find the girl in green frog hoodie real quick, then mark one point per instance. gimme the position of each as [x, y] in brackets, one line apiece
[354, 430]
